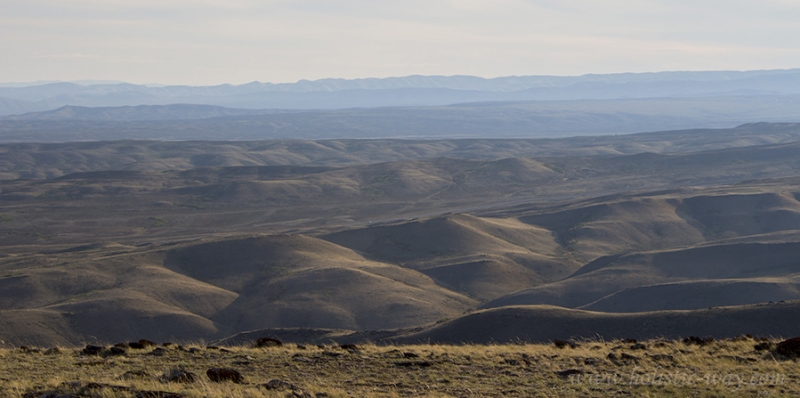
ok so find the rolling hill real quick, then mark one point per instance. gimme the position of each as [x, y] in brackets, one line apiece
[41, 160]
[451, 240]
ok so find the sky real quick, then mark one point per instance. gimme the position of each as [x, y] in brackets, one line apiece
[208, 42]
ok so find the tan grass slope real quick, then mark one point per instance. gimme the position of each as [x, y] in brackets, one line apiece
[480, 257]
[660, 222]
[291, 280]
[37, 327]
[620, 226]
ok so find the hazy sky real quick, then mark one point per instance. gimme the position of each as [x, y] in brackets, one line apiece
[202, 42]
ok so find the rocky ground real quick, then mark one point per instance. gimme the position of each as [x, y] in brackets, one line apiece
[696, 367]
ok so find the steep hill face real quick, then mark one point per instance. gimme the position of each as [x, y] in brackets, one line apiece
[482, 258]
[742, 215]
[649, 223]
[617, 227]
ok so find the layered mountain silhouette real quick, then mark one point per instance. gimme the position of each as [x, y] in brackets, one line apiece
[517, 120]
[412, 107]
[404, 91]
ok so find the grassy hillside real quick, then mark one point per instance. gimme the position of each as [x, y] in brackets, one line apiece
[482, 258]
[202, 240]
[216, 288]
[654, 368]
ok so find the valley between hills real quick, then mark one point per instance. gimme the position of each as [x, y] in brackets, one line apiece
[668, 234]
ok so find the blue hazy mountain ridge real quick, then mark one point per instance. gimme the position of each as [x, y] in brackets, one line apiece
[140, 113]
[404, 91]
[531, 119]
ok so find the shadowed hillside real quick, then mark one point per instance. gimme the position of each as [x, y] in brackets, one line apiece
[296, 281]
[610, 275]
[545, 323]
[482, 258]
[699, 294]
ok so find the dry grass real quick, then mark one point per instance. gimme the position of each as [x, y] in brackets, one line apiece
[731, 368]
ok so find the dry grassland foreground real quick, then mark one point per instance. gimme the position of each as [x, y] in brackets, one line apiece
[742, 367]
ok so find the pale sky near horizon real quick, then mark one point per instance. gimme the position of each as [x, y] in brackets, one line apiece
[205, 42]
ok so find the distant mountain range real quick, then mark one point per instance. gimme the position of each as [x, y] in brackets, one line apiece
[403, 91]
[531, 119]
[138, 112]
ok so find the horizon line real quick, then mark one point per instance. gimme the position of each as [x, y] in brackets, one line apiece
[101, 82]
